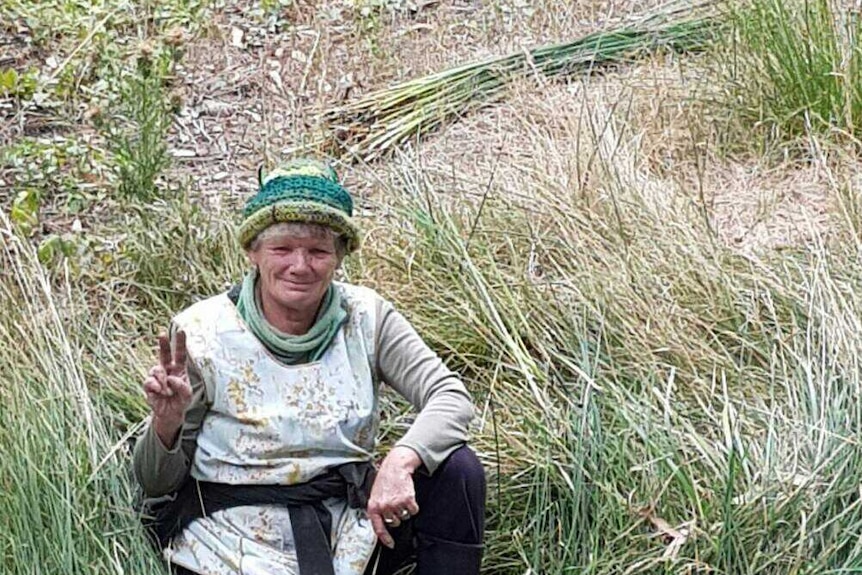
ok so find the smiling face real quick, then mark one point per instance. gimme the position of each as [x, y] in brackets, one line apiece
[296, 264]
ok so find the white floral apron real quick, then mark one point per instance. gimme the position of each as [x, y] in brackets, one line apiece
[274, 424]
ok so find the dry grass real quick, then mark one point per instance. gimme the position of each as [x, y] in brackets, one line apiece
[543, 139]
[251, 94]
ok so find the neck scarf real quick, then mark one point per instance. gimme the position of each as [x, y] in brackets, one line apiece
[287, 348]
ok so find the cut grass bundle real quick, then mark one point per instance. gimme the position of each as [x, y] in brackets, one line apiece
[383, 120]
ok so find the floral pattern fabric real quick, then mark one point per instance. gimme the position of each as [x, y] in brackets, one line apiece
[269, 423]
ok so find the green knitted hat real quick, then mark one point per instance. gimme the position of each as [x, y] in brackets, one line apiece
[300, 191]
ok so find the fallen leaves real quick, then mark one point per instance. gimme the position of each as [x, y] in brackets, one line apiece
[673, 537]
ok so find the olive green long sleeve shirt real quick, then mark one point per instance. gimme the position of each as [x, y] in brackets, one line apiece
[403, 361]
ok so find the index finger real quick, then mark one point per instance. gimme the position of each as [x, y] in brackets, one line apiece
[180, 350]
[164, 351]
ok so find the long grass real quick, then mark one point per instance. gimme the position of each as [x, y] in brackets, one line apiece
[66, 498]
[795, 68]
[651, 400]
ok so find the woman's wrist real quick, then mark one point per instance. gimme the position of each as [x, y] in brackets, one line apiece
[404, 458]
[167, 431]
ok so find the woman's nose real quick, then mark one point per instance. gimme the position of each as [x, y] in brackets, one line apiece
[299, 260]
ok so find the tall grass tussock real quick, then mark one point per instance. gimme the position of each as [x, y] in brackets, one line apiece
[650, 401]
[66, 491]
[795, 68]
[653, 401]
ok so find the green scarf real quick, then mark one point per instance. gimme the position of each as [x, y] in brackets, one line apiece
[292, 349]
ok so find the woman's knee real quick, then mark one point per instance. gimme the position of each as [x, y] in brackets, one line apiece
[462, 466]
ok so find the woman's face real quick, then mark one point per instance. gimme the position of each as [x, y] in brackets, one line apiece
[295, 269]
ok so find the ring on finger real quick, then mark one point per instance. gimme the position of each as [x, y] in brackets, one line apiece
[388, 520]
[405, 514]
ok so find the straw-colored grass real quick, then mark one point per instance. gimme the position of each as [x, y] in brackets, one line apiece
[652, 400]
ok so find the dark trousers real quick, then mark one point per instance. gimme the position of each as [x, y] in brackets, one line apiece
[445, 537]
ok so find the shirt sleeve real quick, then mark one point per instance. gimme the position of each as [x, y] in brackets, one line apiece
[160, 470]
[410, 367]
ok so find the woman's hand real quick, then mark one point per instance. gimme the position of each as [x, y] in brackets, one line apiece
[393, 498]
[168, 390]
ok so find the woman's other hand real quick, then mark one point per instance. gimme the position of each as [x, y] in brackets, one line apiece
[393, 498]
[168, 390]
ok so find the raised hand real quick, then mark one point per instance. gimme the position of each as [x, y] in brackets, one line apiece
[168, 390]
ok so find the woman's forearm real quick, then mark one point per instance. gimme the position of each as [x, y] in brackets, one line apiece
[413, 369]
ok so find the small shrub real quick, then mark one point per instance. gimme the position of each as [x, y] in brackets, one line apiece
[138, 131]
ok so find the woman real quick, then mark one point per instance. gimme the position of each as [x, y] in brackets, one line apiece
[265, 411]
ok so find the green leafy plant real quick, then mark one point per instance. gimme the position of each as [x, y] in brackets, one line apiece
[17, 85]
[139, 128]
[25, 210]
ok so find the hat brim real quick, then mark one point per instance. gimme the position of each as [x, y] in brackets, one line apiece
[301, 212]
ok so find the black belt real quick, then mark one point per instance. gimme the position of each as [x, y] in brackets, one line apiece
[309, 518]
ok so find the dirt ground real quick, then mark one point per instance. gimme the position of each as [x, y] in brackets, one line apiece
[252, 84]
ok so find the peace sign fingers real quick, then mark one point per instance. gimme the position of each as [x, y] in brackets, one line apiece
[173, 362]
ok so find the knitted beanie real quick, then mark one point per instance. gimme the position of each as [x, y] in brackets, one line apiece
[300, 191]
